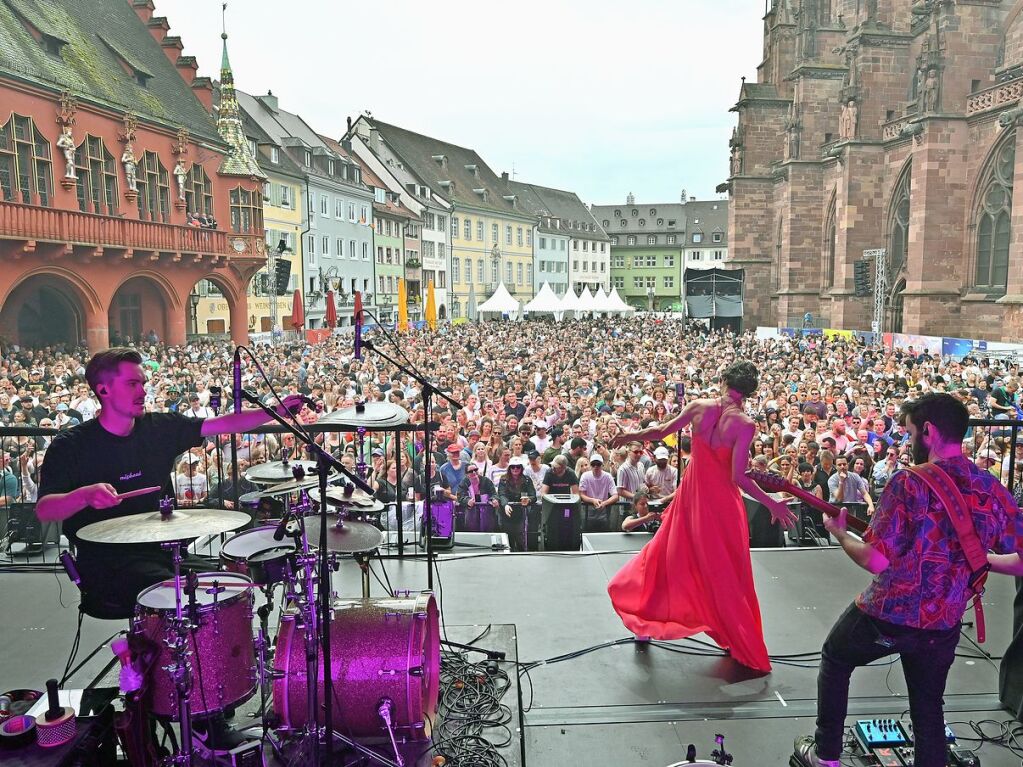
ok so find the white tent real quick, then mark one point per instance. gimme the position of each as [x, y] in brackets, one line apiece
[617, 304]
[545, 301]
[570, 301]
[500, 303]
[601, 303]
[585, 301]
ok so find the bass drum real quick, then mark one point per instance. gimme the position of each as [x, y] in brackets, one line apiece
[384, 648]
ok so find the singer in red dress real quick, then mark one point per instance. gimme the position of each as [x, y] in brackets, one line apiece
[695, 574]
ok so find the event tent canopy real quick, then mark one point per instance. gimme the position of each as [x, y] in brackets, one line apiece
[545, 301]
[601, 304]
[617, 304]
[585, 301]
[500, 303]
[569, 301]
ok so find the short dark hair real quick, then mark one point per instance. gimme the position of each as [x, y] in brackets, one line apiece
[576, 443]
[946, 413]
[742, 376]
[104, 364]
[804, 466]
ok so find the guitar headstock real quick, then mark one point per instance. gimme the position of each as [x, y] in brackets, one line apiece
[772, 483]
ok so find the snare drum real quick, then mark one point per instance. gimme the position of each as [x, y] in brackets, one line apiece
[255, 554]
[221, 650]
[379, 648]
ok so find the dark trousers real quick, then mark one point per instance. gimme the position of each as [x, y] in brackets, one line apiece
[515, 527]
[858, 639]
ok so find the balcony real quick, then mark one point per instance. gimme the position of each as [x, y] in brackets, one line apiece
[33, 224]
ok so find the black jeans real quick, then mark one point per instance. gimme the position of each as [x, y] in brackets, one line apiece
[858, 639]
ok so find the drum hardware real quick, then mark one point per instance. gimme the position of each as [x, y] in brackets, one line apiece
[180, 670]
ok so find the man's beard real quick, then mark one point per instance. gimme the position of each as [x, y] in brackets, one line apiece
[920, 453]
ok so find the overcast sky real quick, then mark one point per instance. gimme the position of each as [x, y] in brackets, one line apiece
[598, 97]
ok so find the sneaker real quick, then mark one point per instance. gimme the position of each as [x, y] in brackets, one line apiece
[804, 754]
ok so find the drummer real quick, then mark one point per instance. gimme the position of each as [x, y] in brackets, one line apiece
[123, 448]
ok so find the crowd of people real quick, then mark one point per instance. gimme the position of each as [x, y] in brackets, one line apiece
[541, 403]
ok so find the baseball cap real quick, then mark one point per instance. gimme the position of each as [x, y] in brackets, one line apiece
[536, 454]
[192, 458]
[519, 460]
[62, 406]
[378, 451]
[454, 447]
[597, 458]
[662, 452]
[539, 423]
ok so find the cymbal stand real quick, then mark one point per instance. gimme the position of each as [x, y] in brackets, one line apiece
[181, 669]
[362, 559]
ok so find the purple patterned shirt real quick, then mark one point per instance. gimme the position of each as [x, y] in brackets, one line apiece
[926, 582]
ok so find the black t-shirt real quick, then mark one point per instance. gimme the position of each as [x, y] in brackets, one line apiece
[519, 410]
[87, 454]
[560, 485]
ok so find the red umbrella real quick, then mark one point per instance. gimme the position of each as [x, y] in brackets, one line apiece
[331, 310]
[297, 311]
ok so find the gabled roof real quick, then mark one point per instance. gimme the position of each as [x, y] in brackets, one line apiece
[97, 40]
[559, 204]
[457, 173]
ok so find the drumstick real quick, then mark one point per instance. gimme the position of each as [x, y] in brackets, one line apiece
[140, 491]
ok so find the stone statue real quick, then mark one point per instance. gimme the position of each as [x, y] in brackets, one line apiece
[931, 92]
[792, 131]
[847, 123]
[736, 145]
[66, 144]
[130, 168]
[181, 175]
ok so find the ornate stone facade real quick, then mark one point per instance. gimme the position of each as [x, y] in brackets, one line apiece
[895, 127]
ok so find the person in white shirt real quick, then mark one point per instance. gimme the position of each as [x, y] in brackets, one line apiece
[662, 478]
[541, 440]
[792, 427]
[630, 473]
[597, 488]
[197, 410]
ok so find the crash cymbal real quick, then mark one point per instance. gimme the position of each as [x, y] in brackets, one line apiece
[357, 500]
[379, 414]
[276, 472]
[152, 527]
[348, 537]
[286, 488]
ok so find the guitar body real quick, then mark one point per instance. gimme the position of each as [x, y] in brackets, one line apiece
[773, 483]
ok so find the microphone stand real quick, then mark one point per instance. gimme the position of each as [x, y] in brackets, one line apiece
[324, 462]
[429, 390]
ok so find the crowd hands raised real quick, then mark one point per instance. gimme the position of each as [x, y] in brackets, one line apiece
[825, 411]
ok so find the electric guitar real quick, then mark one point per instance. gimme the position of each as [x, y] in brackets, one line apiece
[773, 483]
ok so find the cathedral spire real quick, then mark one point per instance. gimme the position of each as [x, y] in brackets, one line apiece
[239, 160]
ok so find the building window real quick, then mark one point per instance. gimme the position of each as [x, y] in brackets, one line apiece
[671, 239]
[718, 255]
[246, 211]
[330, 167]
[479, 230]
[575, 244]
[518, 273]
[994, 230]
[651, 239]
[697, 255]
[441, 222]
[900, 224]
[310, 249]
[325, 250]
[351, 212]
[495, 233]
[467, 230]
[631, 240]
[454, 227]
[717, 237]
[529, 237]
[339, 208]
[340, 248]
[324, 205]
[669, 282]
[586, 246]
[614, 241]
[285, 196]
[508, 272]
[154, 189]
[199, 191]
[618, 282]
[365, 250]
[97, 177]
[669, 260]
[697, 238]
[380, 254]
[275, 155]
[642, 222]
[618, 214]
[468, 269]
[543, 243]
[638, 282]
[518, 238]
[507, 234]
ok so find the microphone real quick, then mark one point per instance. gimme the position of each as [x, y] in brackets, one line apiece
[237, 380]
[358, 325]
[131, 679]
[282, 527]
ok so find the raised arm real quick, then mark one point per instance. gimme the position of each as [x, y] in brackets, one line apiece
[676, 424]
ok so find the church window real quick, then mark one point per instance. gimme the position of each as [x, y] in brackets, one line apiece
[25, 171]
[97, 177]
[899, 227]
[199, 191]
[830, 244]
[995, 216]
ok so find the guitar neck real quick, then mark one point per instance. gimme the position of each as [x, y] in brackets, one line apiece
[777, 484]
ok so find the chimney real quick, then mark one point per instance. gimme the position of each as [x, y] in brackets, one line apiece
[504, 176]
[158, 27]
[270, 101]
[143, 9]
[172, 48]
[630, 199]
[202, 87]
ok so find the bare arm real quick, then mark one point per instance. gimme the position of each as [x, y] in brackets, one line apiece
[676, 424]
[1006, 564]
[780, 512]
[247, 419]
[57, 507]
[860, 552]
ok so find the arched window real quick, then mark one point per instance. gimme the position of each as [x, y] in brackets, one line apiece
[199, 191]
[830, 245]
[995, 218]
[25, 171]
[246, 211]
[899, 226]
[97, 177]
[154, 189]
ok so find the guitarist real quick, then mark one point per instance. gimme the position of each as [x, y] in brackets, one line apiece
[915, 603]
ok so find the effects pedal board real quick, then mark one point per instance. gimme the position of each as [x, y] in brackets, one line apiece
[888, 743]
[880, 733]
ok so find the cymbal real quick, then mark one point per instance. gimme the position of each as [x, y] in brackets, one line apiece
[275, 472]
[348, 537]
[379, 414]
[151, 527]
[286, 488]
[357, 500]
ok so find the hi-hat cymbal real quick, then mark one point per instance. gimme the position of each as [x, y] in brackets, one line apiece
[379, 414]
[152, 527]
[348, 537]
[358, 500]
[276, 472]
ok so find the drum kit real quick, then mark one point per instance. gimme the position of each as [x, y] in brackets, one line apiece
[384, 652]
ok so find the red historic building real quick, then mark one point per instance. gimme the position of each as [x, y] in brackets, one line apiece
[107, 148]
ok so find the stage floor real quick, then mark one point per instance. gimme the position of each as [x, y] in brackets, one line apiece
[622, 703]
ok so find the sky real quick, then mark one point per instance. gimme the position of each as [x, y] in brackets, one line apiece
[600, 98]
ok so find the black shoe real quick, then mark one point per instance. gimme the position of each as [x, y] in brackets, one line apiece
[804, 752]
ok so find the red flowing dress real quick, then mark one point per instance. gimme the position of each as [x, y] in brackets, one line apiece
[695, 574]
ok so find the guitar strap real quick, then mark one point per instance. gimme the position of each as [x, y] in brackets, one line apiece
[958, 512]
